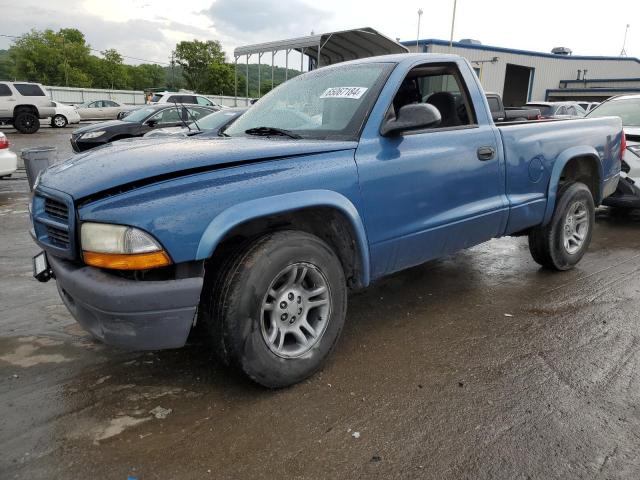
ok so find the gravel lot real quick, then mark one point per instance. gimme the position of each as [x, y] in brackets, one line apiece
[479, 366]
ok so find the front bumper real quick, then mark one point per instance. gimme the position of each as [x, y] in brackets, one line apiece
[138, 315]
[8, 162]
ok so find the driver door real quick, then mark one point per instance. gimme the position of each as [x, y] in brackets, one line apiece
[431, 192]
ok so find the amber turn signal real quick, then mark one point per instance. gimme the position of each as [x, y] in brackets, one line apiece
[132, 261]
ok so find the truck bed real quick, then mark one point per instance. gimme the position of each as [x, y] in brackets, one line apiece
[531, 151]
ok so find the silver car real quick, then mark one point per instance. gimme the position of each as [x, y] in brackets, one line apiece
[102, 109]
[627, 107]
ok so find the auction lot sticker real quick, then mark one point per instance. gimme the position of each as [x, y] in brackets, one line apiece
[344, 92]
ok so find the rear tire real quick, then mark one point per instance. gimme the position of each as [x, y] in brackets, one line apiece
[59, 121]
[26, 122]
[562, 243]
[276, 307]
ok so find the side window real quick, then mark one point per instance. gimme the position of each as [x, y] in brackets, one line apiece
[441, 86]
[95, 104]
[572, 110]
[5, 91]
[170, 115]
[204, 101]
[189, 99]
[561, 111]
[174, 99]
[109, 103]
[197, 113]
[29, 90]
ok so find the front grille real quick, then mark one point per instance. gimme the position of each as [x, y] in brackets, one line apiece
[58, 237]
[56, 209]
[54, 222]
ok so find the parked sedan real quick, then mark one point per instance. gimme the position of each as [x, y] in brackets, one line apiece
[211, 124]
[8, 159]
[627, 107]
[136, 124]
[558, 109]
[64, 115]
[102, 109]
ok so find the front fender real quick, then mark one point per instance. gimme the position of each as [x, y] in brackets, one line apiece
[241, 213]
[561, 162]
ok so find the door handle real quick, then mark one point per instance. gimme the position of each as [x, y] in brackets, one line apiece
[486, 153]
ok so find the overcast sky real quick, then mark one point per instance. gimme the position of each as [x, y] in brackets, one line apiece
[149, 29]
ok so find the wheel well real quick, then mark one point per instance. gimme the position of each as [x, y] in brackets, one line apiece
[25, 108]
[326, 223]
[585, 170]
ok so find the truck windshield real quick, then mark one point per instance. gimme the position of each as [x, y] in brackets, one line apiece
[328, 103]
[628, 109]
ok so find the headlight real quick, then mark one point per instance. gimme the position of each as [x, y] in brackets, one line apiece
[120, 247]
[634, 149]
[92, 134]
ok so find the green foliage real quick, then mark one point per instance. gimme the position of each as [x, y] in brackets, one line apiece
[146, 76]
[202, 64]
[6, 65]
[54, 58]
[265, 78]
[64, 58]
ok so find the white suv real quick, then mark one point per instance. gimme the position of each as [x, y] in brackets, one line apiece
[23, 104]
[185, 98]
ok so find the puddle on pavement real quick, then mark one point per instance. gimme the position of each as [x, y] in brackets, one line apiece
[33, 351]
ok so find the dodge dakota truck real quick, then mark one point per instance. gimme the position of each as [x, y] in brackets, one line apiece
[334, 179]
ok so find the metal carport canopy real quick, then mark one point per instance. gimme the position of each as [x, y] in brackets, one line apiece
[332, 47]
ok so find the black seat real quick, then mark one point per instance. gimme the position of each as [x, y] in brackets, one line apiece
[408, 93]
[445, 102]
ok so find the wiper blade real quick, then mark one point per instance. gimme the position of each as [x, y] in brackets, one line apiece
[266, 131]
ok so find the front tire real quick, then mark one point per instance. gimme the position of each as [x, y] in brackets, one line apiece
[277, 308]
[562, 243]
[59, 121]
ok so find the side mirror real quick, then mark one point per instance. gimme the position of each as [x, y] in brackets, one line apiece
[412, 117]
[151, 123]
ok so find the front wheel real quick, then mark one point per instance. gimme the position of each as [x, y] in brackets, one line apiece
[278, 308]
[562, 243]
[59, 121]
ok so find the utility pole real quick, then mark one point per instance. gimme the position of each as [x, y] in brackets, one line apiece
[623, 52]
[453, 23]
[420, 12]
[64, 56]
[173, 78]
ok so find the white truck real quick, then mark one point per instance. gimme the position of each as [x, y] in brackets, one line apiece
[23, 104]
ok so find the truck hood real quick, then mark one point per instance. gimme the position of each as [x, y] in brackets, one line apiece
[126, 163]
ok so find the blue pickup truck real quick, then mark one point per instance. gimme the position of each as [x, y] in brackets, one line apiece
[334, 179]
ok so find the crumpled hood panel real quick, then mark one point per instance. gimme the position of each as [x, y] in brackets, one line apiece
[127, 162]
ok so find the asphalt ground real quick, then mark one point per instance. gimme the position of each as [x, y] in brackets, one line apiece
[480, 365]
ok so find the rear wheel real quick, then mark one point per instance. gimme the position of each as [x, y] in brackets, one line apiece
[277, 307]
[562, 243]
[59, 121]
[26, 122]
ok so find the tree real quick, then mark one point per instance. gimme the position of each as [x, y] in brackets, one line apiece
[220, 79]
[146, 76]
[53, 58]
[114, 69]
[198, 61]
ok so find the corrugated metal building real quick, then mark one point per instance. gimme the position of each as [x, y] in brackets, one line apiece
[521, 76]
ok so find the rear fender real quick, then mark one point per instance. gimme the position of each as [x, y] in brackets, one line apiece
[277, 204]
[563, 159]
